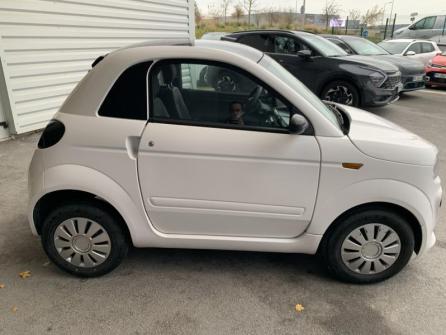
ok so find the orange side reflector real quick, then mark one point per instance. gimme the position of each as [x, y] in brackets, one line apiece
[354, 166]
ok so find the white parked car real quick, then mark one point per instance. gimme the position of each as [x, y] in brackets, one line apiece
[422, 50]
[144, 153]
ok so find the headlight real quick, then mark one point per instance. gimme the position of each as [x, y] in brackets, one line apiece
[377, 78]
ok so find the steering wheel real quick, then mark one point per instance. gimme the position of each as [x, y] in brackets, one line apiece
[253, 99]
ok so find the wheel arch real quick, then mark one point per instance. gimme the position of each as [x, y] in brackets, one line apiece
[66, 182]
[414, 223]
[341, 77]
[49, 201]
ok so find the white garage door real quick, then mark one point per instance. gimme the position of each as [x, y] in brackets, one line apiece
[47, 46]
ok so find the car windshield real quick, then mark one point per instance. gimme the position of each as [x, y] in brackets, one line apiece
[279, 71]
[364, 47]
[394, 48]
[325, 47]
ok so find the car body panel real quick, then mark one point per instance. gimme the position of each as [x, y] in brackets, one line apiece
[436, 71]
[276, 176]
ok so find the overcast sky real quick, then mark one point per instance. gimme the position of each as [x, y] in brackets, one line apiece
[402, 7]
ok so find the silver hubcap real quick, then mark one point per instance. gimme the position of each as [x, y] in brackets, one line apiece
[82, 242]
[340, 94]
[371, 248]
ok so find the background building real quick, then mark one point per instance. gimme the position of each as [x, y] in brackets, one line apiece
[46, 47]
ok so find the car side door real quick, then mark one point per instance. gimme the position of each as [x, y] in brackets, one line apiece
[416, 49]
[230, 170]
[428, 51]
[439, 26]
[285, 50]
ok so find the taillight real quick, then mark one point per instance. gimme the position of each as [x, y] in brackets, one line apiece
[52, 134]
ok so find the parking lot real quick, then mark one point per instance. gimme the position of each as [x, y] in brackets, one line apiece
[158, 291]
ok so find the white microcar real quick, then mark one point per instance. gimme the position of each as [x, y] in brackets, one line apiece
[148, 152]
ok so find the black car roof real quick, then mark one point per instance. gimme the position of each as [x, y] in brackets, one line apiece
[256, 31]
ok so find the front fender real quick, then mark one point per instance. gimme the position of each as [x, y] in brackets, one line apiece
[331, 205]
[81, 178]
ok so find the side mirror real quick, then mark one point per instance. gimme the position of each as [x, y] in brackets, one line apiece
[410, 53]
[298, 124]
[411, 27]
[305, 54]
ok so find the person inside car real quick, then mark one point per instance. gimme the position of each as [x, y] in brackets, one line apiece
[236, 113]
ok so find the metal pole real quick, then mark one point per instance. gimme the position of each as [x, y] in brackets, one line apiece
[384, 11]
[444, 26]
[385, 29]
[391, 11]
[346, 26]
[393, 26]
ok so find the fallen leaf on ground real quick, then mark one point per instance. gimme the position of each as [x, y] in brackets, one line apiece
[14, 309]
[299, 308]
[25, 274]
[2, 285]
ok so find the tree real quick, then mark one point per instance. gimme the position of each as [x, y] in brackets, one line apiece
[249, 6]
[198, 16]
[354, 15]
[271, 14]
[224, 8]
[372, 15]
[288, 17]
[238, 12]
[331, 10]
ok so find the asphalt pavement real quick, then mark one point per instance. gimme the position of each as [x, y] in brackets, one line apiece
[157, 291]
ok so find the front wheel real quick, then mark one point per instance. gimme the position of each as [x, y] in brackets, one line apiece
[368, 246]
[84, 239]
[341, 92]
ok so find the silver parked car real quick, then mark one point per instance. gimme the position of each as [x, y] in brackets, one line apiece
[426, 28]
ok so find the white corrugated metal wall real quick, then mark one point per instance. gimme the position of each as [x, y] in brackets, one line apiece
[46, 46]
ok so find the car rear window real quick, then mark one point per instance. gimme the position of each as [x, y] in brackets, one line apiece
[127, 99]
[394, 47]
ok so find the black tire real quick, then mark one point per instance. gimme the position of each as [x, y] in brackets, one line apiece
[352, 94]
[332, 244]
[92, 211]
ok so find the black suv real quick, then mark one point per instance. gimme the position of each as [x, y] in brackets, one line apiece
[324, 67]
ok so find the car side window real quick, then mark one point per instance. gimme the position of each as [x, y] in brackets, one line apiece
[416, 47]
[429, 22]
[258, 41]
[286, 45]
[427, 47]
[419, 24]
[127, 99]
[341, 44]
[181, 93]
[440, 22]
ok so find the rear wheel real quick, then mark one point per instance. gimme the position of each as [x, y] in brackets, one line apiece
[342, 92]
[84, 239]
[369, 246]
